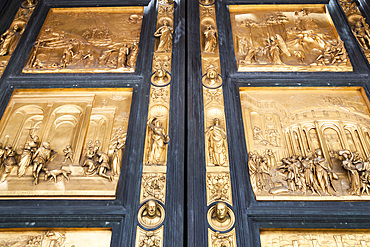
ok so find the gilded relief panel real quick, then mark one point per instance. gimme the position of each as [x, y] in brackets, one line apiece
[307, 143]
[314, 237]
[63, 142]
[61, 237]
[87, 40]
[359, 26]
[286, 38]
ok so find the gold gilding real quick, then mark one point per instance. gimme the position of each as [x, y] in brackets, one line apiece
[87, 40]
[63, 142]
[360, 28]
[149, 238]
[151, 214]
[307, 143]
[286, 38]
[314, 237]
[62, 237]
[10, 38]
[217, 239]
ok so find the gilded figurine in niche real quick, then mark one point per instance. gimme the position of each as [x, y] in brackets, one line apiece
[210, 43]
[9, 39]
[164, 33]
[301, 40]
[158, 141]
[359, 27]
[216, 141]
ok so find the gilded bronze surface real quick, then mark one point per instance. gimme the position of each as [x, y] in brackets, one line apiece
[218, 185]
[87, 40]
[359, 26]
[216, 239]
[221, 217]
[151, 214]
[56, 237]
[153, 186]
[153, 180]
[314, 237]
[286, 38]
[307, 143]
[10, 38]
[63, 142]
[149, 238]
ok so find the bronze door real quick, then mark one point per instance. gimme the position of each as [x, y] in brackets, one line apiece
[277, 152]
[92, 123]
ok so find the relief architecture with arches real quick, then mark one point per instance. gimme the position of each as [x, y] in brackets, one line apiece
[307, 144]
[54, 140]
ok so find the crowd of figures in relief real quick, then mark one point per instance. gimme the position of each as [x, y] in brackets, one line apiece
[45, 140]
[316, 146]
[289, 40]
[102, 41]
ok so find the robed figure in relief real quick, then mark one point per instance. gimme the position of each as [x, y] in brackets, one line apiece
[216, 138]
[158, 141]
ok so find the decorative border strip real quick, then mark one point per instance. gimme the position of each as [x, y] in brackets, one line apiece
[151, 213]
[359, 26]
[10, 38]
[220, 215]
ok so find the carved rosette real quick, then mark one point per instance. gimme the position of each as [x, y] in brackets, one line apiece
[215, 134]
[157, 139]
[10, 38]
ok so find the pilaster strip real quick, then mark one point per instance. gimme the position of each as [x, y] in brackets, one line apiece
[220, 215]
[151, 213]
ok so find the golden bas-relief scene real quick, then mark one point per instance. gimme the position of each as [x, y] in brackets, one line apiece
[286, 38]
[55, 237]
[63, 143]
[314, 237]
[87, 40]
[307, 143]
